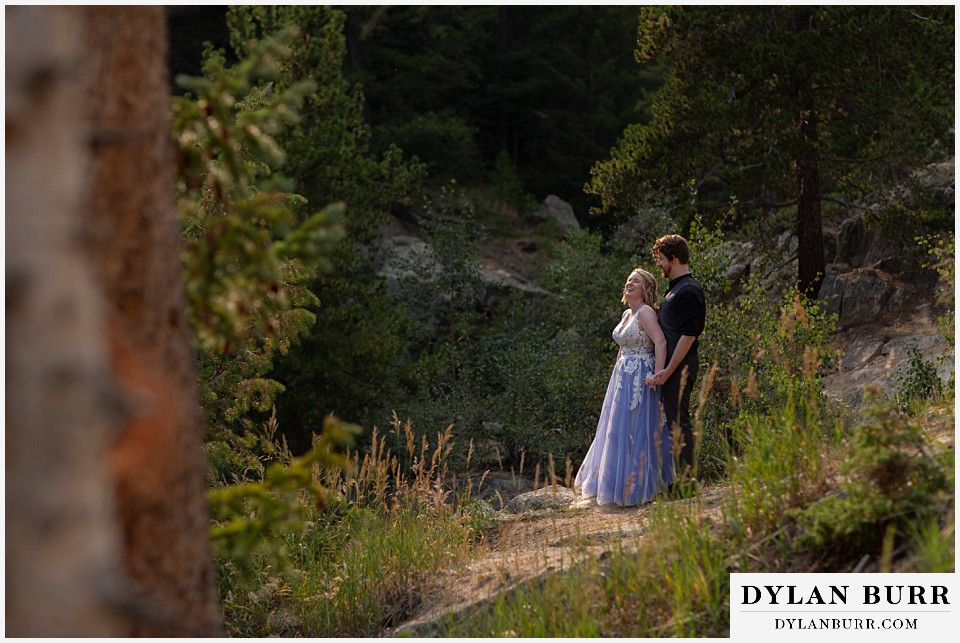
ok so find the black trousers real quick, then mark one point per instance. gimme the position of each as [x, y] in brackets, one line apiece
[676, 407]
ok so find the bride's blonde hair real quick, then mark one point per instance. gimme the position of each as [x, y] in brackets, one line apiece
[649, 288]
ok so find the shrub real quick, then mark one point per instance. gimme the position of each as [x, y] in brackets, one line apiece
[769, 354]
[932, 544]
[941, 253]
[917, 381]
[892, 481]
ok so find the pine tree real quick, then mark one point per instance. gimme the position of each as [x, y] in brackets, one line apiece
[783, 107]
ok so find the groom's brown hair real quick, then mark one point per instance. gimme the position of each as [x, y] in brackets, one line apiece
[673, 246]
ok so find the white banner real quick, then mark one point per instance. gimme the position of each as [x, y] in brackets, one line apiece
[843, 607]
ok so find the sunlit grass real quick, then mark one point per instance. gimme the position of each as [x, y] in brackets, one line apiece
[363, 563]
[554, 606]
[376, 581]
[933, 545]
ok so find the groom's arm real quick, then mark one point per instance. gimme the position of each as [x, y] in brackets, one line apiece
[679, 354]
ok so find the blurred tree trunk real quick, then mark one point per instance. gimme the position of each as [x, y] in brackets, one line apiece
[107, 526]
[62, 411]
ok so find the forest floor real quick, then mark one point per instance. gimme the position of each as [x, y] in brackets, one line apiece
[525, 546]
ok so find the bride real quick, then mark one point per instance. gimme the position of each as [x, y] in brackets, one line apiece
[631, 457]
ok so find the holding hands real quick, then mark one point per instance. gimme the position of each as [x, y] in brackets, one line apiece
[658, 378]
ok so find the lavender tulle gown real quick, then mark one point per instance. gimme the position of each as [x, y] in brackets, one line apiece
[631, 458]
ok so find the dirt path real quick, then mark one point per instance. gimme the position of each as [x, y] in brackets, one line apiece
[532, 544]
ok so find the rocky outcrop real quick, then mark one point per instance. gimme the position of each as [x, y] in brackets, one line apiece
[402, 254]
[883, 300]
[860, 245]
[500, 277]
[875, 354]
[860, 296]
[560, 212]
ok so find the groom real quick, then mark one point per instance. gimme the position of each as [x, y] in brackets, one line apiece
[682, 317]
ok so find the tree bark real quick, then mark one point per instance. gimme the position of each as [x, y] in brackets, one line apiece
[63, 574]
[107, 521]
[134, 244]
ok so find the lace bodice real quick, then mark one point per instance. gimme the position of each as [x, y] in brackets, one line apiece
[630, 338]
[636, 355]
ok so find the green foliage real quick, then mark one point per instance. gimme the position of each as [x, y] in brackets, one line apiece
[479, 516]
[941, 252]
[766, 353]
[761, 410]
[554, 608]
[769, 353]
[708, 262]
[586, 279]
[358, 337]
[446, 143]
[329, 155]
[405, 79]
[918, 381]
[249, 252]
[247, 248]
[777, 465]
[442, 286]
[694, 571]
[385, 561]
[933, 545]
[725, 121]
[251, 519]
[509, 188]
[892, 481]
[564, 100]
[350, 361]
[552, 104]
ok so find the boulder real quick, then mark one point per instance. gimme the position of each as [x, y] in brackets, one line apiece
[861, 351]
[560, 212]
[830, 237]
[741, 255]
[850, 242]
[788, 243]
[498, 277]
[940, 177]
[405, 256]
[926, 344]
[859, 244]
[549, 497]
[856, 297]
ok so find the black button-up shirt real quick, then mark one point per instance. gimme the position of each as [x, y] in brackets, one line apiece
[683, 311]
